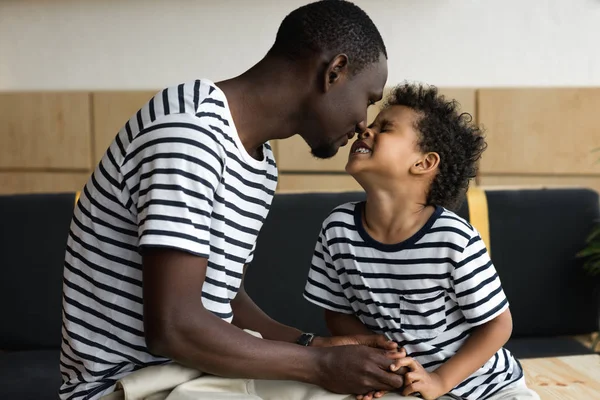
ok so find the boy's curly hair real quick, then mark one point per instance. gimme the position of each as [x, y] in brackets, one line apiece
[443, 130]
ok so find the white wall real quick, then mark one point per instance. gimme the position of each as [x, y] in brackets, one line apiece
[146, 44]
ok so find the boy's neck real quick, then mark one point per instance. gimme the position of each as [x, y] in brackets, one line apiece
[393, 216]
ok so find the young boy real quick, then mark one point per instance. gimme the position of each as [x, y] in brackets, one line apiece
[403, 265]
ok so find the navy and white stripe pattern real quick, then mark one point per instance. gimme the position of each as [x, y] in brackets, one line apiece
[178, 176]
[426, 293]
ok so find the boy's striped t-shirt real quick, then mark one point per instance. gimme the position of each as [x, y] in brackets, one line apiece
[176, 176]
[426, 293]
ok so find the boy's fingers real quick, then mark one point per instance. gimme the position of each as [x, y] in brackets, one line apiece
[398, 369]
[407, 362]
[411, 389]
[379, 394]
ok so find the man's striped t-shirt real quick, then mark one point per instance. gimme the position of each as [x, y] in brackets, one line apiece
[176, 176]
[426, 293]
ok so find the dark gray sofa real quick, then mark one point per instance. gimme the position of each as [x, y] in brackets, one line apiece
[534, 237]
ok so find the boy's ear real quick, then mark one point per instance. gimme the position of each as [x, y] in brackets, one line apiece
[337, 69]
[427, 164]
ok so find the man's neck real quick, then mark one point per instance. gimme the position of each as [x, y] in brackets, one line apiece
[266, 100]
[393, 215]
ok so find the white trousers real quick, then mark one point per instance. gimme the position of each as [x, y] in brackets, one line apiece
[175, 382]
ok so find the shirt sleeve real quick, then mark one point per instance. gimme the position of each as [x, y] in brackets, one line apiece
[179, 169]
[323, 286]
[251, 255]
[476, 284]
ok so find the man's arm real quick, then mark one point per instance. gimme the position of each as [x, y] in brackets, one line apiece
[247, 315]
[177, 326]
[345, 324]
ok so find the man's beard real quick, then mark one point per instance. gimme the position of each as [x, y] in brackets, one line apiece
[324, 150]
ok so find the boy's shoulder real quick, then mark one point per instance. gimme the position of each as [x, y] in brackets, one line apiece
[453, 228]
[344, 213]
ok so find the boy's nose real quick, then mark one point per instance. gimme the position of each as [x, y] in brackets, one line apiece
[365, 134]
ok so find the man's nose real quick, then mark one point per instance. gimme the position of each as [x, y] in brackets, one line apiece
[361, 127]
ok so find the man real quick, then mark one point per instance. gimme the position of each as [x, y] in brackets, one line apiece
[169, 219]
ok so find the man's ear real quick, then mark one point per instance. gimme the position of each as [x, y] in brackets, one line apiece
[425, 165]
[337, 69]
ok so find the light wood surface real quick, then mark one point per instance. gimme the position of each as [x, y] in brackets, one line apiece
[41, 182]
[564, 378]
[45, 130]
[540, 131]
[111, 110]
[294, 153]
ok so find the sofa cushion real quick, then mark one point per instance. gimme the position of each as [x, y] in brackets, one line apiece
[33, 237]
[535, 235]
[30, 375]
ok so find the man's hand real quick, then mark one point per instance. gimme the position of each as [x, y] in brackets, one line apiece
[394, 367]
[429, 384]
[377, 341]
[358, 369]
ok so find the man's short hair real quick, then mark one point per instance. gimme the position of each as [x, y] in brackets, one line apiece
[334, 26]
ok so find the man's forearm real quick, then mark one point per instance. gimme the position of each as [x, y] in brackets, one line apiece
[345, 324]
[247, 315]
[214, 346]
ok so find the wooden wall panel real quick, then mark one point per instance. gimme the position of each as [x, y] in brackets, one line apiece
[504, 181]
[540, 131]
[45, 130]
[294, 153]
[111, 111]
[42, 182]
[316, 183]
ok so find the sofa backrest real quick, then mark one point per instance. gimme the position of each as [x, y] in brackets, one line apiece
[33, 237]
[534, 236]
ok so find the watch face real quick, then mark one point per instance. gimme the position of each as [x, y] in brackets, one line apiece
[305, 339]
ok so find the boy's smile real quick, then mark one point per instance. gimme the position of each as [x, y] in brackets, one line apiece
[389, 146]
[360, 147]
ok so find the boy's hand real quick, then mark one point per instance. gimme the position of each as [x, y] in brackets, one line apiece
[429, 384]
[394, 367]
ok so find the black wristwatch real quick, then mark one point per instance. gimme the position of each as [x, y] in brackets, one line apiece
[305, 339]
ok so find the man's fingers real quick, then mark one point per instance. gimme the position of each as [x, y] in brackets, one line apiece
[402, 351]
[389, 380]
[394, 355]
[379, 341]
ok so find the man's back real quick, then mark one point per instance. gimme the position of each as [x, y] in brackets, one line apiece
[175, 176]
